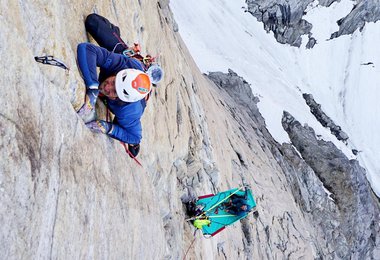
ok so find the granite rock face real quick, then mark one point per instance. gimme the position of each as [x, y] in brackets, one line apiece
[67, 193]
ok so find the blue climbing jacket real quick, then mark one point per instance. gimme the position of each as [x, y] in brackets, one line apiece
[126, 125]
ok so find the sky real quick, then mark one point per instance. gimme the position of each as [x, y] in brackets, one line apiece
[220, 35]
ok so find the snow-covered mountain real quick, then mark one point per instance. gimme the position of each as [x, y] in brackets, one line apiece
[341, 73]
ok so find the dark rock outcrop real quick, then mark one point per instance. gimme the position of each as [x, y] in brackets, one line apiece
[324, 119]
[285, 18]
[240, 91]
[355, 228]
[364, 11]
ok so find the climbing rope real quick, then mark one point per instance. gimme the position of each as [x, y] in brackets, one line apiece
[130, 154]
[187, 251]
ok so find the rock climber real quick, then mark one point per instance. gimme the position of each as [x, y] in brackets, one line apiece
[124, 83]
[237, 205]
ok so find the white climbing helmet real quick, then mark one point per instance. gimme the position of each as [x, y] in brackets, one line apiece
[132, 85]
[155, 73]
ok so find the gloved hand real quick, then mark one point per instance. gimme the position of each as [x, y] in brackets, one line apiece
[134, 149]
[100, 126]
[87, 111]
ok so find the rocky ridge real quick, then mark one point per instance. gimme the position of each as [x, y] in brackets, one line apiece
[285, 18]
[331, 190]
[324, 119]
[349, 221]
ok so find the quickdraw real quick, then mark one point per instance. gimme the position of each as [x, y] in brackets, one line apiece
[135, 52]
[50, 60]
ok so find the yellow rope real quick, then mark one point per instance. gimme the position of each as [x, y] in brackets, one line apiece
[221, 216]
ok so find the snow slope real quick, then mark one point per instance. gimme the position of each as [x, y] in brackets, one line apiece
[221, 35]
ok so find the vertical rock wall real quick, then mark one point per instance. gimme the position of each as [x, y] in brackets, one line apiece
[66, 192]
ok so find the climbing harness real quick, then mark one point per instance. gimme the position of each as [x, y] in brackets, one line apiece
[50, 60]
